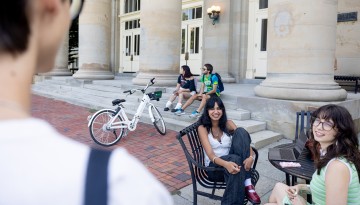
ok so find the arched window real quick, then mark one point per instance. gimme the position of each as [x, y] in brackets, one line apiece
[132, 6]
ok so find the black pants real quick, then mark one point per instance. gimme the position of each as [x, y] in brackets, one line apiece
[240, 150]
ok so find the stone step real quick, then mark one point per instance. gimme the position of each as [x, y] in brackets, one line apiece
[98, 94]
[263, 138]
[251, 126]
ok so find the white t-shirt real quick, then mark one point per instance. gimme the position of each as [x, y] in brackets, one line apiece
[220, 148]
[39, 166]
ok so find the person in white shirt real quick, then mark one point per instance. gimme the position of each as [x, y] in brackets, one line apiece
[227, 146]
[39, 165]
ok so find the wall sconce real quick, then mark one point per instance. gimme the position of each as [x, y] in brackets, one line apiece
[214, 13]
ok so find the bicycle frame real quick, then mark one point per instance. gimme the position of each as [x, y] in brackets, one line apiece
[131, 124]
[120, 111]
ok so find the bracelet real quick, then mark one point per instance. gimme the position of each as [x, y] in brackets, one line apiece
[252, 156]
[214, 159]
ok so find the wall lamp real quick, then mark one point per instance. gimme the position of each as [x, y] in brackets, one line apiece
[214, 13]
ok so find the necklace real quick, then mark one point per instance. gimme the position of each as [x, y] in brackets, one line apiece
[217, 135]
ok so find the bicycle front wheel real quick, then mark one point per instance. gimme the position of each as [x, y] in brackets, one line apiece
[100, 130]
[159, 121]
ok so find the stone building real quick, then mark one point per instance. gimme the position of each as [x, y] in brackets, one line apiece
[296, 46]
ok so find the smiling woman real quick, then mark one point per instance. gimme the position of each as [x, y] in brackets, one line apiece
[227, 146]
[336, 180]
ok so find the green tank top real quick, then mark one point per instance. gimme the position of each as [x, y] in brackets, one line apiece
[317, 185]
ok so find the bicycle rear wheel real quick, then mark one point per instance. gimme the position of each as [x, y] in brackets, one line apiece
[101, 132]
[159, 121]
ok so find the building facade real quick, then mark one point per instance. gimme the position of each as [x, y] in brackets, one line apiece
[251, 39]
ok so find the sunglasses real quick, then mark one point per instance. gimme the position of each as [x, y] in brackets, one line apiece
[75, 8]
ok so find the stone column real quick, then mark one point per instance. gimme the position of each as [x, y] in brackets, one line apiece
[61, 61]
[160, 41]
[218, 39]
[301, 51]
[94, 41]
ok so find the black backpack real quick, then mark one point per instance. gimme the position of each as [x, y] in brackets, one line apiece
[220, 83]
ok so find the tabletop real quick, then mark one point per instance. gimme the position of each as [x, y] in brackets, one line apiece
[305, 171]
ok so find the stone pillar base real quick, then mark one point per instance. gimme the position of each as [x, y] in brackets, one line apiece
[301, 93]
[226, 77]
[165, 78]
[58, 72]
[94, 75]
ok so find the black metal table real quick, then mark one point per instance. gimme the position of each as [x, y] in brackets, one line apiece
[306, 170]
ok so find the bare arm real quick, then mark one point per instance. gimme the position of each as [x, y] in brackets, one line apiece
[201, 89]
[177, 87]
[232, 167]
[230, 125]
[213, 91]
[337, 179]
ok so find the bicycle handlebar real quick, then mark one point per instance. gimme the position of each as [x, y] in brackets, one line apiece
[132, 91]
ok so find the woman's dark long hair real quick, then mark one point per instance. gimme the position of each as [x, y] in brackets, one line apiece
[187, 71]
[346, 143]
[205, 119]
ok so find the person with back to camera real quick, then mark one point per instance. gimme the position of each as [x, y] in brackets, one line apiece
[185, 88]
[39, 166]
[336, 179]
[209, 88]
[227, 146]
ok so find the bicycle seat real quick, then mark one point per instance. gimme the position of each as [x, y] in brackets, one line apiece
[117, 101]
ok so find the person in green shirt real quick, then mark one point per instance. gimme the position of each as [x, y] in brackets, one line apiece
[209, 88]
[337, 160]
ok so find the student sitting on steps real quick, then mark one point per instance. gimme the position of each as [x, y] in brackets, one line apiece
[185, 88]
[209, 88]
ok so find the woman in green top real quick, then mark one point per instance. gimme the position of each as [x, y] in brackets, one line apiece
[337, 159]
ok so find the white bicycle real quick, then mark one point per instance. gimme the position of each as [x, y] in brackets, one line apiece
[108, 126]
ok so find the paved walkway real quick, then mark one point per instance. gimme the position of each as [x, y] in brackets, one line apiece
[161, 154]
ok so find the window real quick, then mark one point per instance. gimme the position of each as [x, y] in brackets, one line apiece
[132, 24]
[263, 34]
[183, 41]
[194, 39]
[263, 4]
[137, 45]
[192, 13]
[131, 6]
[128, 45]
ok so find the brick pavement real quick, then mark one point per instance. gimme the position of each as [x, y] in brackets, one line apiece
[162, 155]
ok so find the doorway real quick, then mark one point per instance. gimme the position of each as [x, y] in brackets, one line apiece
[131, 46]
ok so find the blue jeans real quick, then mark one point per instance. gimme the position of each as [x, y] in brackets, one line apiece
[240, 150]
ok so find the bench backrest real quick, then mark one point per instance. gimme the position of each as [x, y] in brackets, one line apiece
[302, 123]
[194, 153]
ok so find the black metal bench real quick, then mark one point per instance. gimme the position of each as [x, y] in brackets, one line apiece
[194, 152]
[355, 79]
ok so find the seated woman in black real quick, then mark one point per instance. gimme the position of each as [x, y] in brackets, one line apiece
[227, 146]
[185, 88]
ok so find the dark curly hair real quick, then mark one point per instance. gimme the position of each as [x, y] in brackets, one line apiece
[14, 26]
[205, 119]
[346, 143]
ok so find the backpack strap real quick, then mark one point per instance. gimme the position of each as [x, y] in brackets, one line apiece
[97, 178]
